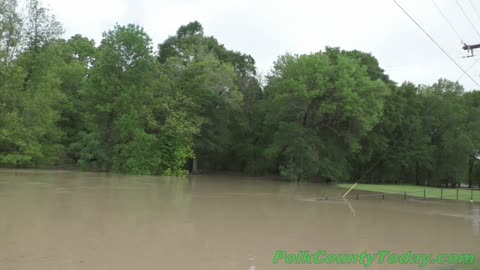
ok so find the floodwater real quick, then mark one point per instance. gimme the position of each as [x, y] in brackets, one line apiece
[70, 221]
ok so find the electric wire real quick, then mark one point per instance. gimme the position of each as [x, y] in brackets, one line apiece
[436, 43]
[470, 67]
[468, 19]
[403, 136]
[448, 22]
[474, 9]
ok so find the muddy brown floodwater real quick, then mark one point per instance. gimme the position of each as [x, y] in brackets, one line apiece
[70, 221]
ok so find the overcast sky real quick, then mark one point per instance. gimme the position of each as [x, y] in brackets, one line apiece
[267, 29]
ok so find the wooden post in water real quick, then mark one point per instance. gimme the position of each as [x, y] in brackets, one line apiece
[346, 193]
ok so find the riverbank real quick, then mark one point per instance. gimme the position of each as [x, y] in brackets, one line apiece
[419, 191]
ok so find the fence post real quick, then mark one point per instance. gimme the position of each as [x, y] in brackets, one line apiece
[471, 194]
[357, 197]
[441, 193]
[404, 195]
[326, 198]
[424, 194]
[457, 193]
[383, 196]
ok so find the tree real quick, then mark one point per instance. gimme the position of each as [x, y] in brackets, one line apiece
[190, 42]
[210, 85]
[10, 31]
[134, 122]
[41, 27]
[194, 104]
[78, 54]
[472, 100]
[30, 96]
[114, 104]
[325, 104]
[446, 124]
[397, 148]
[211, 77]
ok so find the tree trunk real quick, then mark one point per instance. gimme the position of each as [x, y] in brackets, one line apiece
[471, 162]
[277, 163]
[194, 166]
[417, 179]
[111, 140]
[305, 118]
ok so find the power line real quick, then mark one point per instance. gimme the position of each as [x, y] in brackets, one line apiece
[404, 135]
[465, 14]
[470, 67]
[438, 45]
[448, 22]
[474, 9]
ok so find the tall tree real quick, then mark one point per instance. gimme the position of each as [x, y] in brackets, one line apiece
[31, 96]
[40, 25]
[190, 41]
[134, 122]
[114, 102]
[211, 77]
[472, 100]
[446, 125]
[10, 31]
[78, 54]
[320, 107]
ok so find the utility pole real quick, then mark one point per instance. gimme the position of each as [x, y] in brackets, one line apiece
[470, 48]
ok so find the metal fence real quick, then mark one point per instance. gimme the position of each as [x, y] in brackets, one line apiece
[458, 194]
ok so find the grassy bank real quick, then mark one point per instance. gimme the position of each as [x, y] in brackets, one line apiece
[418, 191]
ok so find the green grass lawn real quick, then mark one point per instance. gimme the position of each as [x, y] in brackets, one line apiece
[417, 191]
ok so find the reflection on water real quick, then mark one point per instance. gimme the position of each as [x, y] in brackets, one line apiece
[66, 220]
[476, 220]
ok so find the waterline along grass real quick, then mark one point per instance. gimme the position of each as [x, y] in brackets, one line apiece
[418, 191]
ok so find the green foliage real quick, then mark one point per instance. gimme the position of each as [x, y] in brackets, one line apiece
[208, 75]
[10, 31]
[190, 43]
[40, 26]
[333, 115]
[329, 103]
[134, 120]
[114, 99]
[30, 92]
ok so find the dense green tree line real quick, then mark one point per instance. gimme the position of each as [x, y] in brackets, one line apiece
[191, 104]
